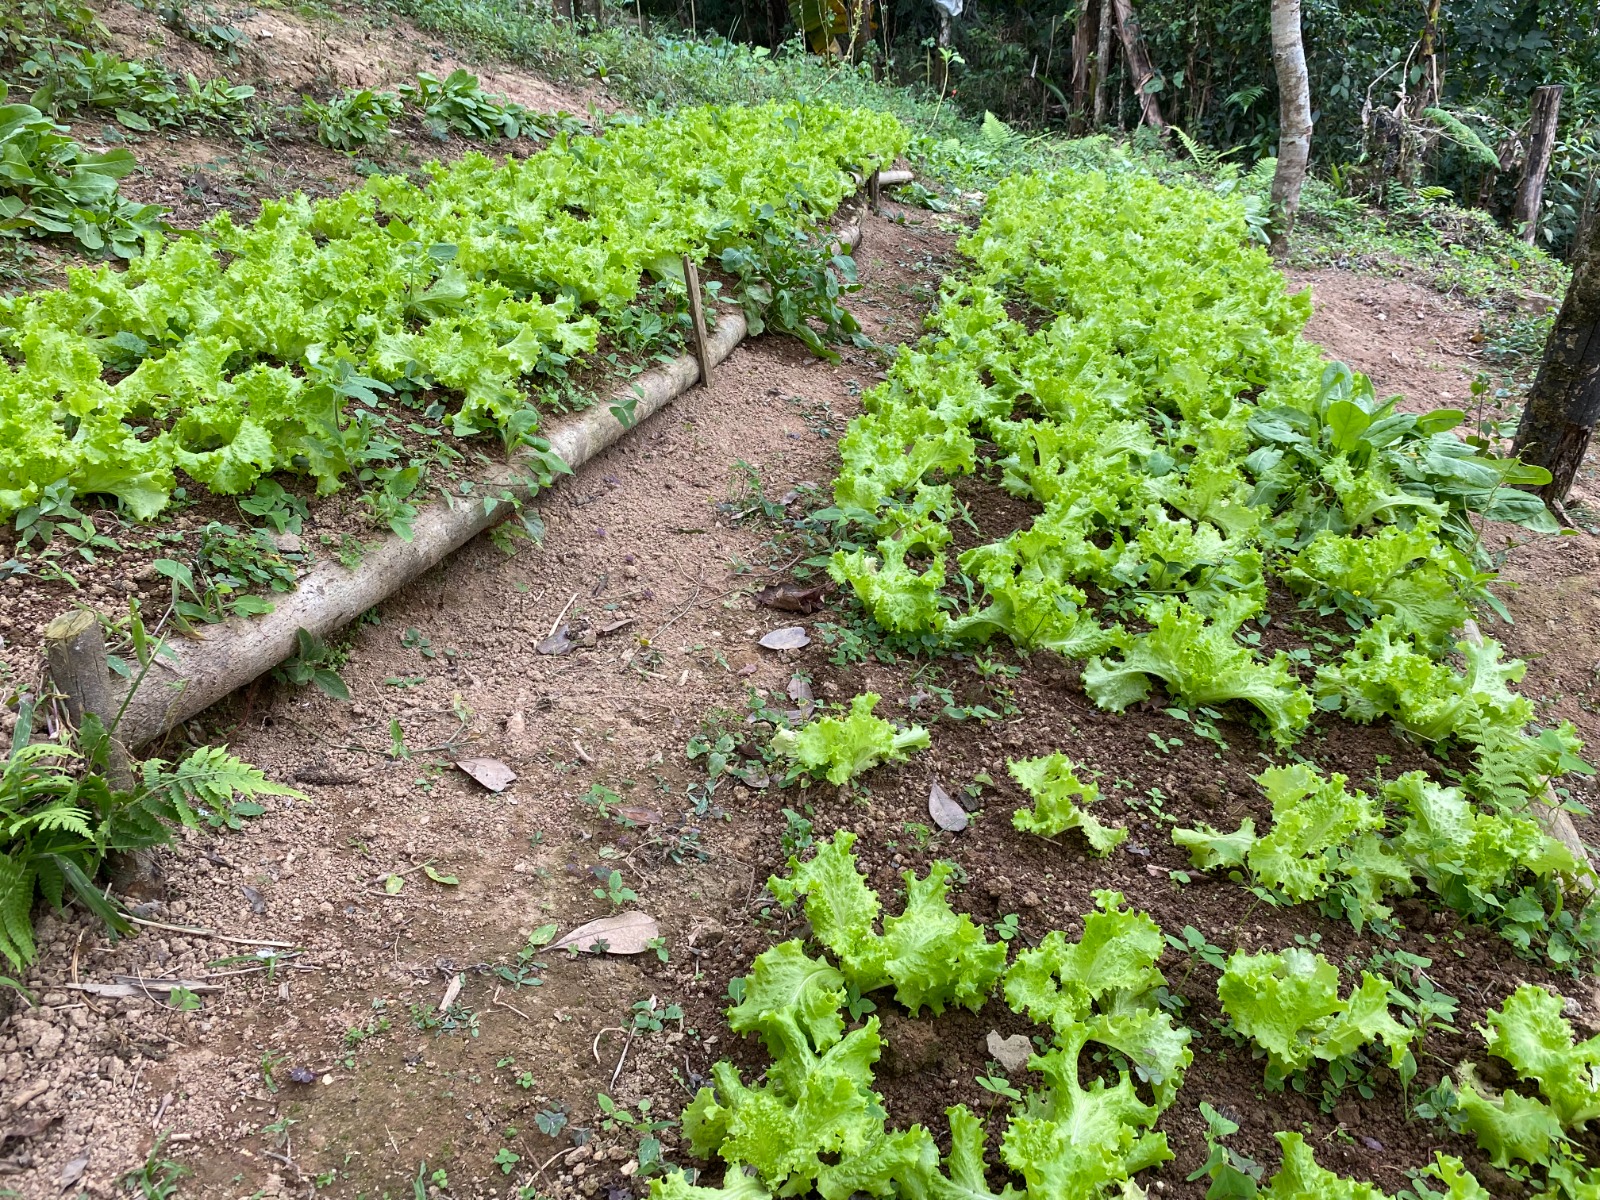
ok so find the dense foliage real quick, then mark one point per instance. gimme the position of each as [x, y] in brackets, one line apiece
[1185, 447]
[237, 351]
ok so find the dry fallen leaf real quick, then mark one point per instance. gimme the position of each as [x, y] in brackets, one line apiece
[639, 816]
[557, 643]
[793, 597]
[624, 933]
[73, 1171]
[612, 626]
[1012, 1052]
[790, 637]
[946, 813]
[800, 693]
[490, 772]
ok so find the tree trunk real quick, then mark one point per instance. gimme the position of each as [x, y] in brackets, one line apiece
[1081, 41]
[1294, 118]
[1541, 141]
[944, 44]
[1427, 93]
[1102, 63]
[1564, 403]
[1139, 67]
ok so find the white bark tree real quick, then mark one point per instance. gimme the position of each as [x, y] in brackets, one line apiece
[1294, 118]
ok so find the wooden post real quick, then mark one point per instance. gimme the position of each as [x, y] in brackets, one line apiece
[1541, 141]
[874, 190]
[76, 651]
[697, 318]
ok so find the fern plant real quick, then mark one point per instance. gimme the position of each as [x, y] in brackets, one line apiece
[60, 817]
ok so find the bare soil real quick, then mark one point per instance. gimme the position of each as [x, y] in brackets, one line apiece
[658, 532]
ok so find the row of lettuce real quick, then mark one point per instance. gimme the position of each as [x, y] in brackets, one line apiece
[240, 350]
[1111, 1057]
[1185, 445]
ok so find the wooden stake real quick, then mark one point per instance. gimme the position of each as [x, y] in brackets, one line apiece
[76, 651]
[697, 318]
[874, 190]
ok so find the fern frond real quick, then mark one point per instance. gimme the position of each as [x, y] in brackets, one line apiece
[1207, 159]
[16, 911]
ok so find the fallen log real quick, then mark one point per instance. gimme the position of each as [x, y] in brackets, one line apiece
[233, 653]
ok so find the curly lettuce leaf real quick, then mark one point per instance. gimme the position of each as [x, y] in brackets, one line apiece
[1507, 1125]
[1531, 1033]
[964, 1175]
[842, 909]
[1288, 1004]
[1302, 1178]
[1312, 818]
[1209, 847]
[935, 956]
[1469, 858]
[785, 983]
[1070, 1140]
[1200, 663]
[839, 749]
[1060, 800]
[1408, 574]
[736, 1185]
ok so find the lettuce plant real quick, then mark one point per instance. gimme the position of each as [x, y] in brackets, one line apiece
[840, 748]
[1288, 1004]
[1060, 802]
[932, 955]
[1530, 1032]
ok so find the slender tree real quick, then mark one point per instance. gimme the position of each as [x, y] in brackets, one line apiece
[1139, 67]
[1102, 62]
[1564, 402]
[1294, 118]
[1541, 141]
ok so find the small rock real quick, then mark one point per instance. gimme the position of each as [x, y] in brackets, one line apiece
[1030, 899]
[288, 543]
[1012, 1052]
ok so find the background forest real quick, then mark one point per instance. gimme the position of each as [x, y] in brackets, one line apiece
[1386, 109]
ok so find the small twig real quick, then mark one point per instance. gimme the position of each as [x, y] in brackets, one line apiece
[582, 753]
[495, 1000]
[286, 1161]
[210, 933]
[595, 1047]
[626, 1046]
[556, 1155]
[452, 991]
[561, 614]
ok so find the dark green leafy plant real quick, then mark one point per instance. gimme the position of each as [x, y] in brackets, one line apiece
[789, 277]
[50, 185]
[355, 118]
[315, 662]
[205, 26]
[142, 96]
[456, 104]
